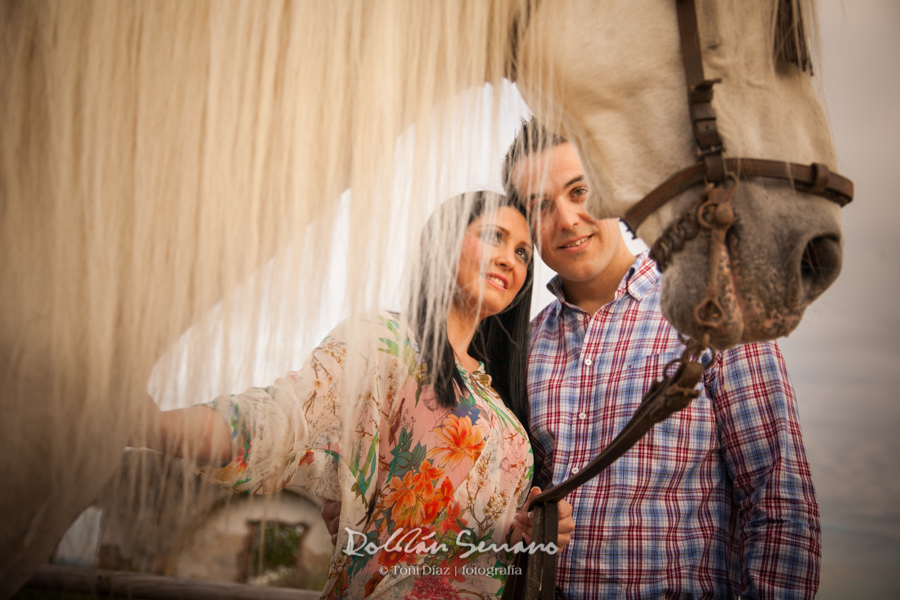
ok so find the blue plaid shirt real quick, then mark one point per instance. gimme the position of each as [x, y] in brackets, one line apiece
[715, 502]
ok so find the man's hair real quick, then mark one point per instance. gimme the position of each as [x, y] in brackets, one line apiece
[532, 138]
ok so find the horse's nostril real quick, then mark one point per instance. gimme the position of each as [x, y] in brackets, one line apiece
[820, 265]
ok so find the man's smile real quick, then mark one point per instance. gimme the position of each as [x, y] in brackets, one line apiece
[575, 243]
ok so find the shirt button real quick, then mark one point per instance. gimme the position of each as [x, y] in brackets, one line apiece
[575, 471]
[582, 416]
[588, 361]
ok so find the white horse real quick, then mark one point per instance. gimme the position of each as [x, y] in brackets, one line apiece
[625, 108]
[155, 154]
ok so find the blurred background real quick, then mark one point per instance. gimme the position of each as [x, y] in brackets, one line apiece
[844, 358]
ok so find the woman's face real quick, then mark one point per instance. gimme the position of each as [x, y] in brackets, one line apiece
[493, 264]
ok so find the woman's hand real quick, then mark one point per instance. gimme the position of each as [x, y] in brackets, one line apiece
[197, 433]
[566, 525]
[331, 514]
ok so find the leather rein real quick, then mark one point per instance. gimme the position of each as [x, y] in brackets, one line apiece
[535, 574]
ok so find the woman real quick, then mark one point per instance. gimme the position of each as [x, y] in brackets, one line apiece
[397, 418]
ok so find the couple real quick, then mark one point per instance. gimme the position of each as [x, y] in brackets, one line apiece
[715, 502]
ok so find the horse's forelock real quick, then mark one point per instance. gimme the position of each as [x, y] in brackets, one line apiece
[794, 32]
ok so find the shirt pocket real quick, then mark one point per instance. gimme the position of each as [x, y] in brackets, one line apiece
[690, 430]
[641, 372]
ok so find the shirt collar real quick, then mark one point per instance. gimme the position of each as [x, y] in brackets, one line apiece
[641, 277]
[479, 375]
[638, 281]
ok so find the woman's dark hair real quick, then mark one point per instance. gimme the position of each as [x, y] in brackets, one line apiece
[501, 340]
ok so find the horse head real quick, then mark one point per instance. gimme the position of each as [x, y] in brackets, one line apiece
[618, 91]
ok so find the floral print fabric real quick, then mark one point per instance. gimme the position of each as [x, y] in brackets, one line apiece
[421, 486]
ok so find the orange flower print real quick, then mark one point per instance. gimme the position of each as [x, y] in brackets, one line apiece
[233, 470]
[404, 500]
[423, 481]
[449, 523]
[459, 440]
[307, 459]
[454, 566]
[440, 500]
[372, 583]
[446, 489]
[391, 558]
[432, 509]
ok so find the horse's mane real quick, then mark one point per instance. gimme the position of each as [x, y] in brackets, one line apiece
[162, 162]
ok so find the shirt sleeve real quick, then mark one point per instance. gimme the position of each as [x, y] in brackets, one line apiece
[778, 517]
[292, 432]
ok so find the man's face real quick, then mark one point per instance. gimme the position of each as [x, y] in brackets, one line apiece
[572, 243]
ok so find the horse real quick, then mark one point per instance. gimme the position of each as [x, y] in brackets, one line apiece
[785, 248]
[155, 155]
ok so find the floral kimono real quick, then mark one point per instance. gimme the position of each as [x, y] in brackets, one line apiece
[429, 494]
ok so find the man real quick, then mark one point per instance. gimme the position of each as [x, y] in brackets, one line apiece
[715, 502]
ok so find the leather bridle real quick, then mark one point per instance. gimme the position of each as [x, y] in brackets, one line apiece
[712, 167]
[713, 211]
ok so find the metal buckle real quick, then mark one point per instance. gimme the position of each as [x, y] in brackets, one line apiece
[717, 149]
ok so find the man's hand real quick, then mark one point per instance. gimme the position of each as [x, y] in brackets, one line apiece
[566, 524]
[331, 514]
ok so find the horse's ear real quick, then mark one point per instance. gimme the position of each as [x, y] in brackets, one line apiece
[790, 36]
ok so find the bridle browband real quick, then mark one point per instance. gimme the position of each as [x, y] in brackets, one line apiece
[536, 577]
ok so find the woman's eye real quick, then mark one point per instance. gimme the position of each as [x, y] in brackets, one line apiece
[524, 254]
[577, 192]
